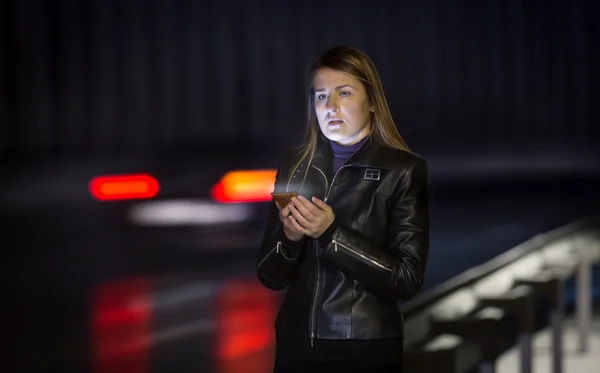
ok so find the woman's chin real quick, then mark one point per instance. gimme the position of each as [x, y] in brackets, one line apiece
[333, 135]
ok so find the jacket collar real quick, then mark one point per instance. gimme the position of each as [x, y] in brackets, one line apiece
[371, 154]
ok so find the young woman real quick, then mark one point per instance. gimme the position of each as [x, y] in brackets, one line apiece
[354, 244]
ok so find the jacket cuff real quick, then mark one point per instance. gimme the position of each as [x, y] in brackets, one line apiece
[327, 236]
[291, 249]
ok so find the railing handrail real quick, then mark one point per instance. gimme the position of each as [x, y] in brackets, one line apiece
[476, 273]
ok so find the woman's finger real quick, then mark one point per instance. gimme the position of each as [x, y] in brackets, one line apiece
[305, 207]
[320, 204]
[286, 211]
[297, 226]
[288, 224]
[299, 217]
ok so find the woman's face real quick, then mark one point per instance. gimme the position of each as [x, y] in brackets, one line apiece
[341, 106]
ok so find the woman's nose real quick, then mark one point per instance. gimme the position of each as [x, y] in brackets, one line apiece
[332, 105]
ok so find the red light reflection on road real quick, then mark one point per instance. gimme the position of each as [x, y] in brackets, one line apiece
[121, 327]
[246, 314]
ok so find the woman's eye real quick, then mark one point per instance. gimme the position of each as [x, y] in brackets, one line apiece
[344, 94]
[321, 96]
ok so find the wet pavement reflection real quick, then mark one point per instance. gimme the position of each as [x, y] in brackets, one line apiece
[93, 292]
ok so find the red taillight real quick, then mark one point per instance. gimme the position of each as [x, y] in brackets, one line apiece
[120, 187]
[245, 186]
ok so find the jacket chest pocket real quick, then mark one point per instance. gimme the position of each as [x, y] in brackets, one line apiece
[361, 181]
[358, 196]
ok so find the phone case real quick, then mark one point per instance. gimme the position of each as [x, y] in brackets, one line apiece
[282, 199]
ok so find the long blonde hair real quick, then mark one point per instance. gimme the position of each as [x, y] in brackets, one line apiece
[356, 63]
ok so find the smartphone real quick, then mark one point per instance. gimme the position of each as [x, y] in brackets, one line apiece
[282, 199]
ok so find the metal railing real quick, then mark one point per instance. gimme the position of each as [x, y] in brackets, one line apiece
[579, 243]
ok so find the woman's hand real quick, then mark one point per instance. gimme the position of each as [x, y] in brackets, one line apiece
[288, 224]
[310, 218]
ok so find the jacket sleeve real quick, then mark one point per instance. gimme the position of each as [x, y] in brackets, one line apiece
[278, 255]
[397, 270]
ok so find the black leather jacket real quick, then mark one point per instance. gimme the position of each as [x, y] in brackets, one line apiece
[351, 287]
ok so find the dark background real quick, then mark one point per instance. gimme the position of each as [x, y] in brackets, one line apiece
[93, 78]
[501, 98]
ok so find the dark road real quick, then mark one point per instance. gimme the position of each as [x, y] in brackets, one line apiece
[93, 291]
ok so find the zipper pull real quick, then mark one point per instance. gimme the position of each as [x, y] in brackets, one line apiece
[334, 245]
[312, 342]
[278, 246]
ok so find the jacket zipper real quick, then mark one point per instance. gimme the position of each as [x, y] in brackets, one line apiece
[314, 300]
[316, 294]
[375, 263]
[325, 177]
[315, 297]
[327, 186]
[276, 248]
[313, 312]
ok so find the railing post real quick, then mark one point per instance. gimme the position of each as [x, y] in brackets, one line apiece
[584, 303]
[557, 331]
[487, 367]
[525, 347]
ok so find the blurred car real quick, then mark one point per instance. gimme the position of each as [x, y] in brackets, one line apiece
[136, 266]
